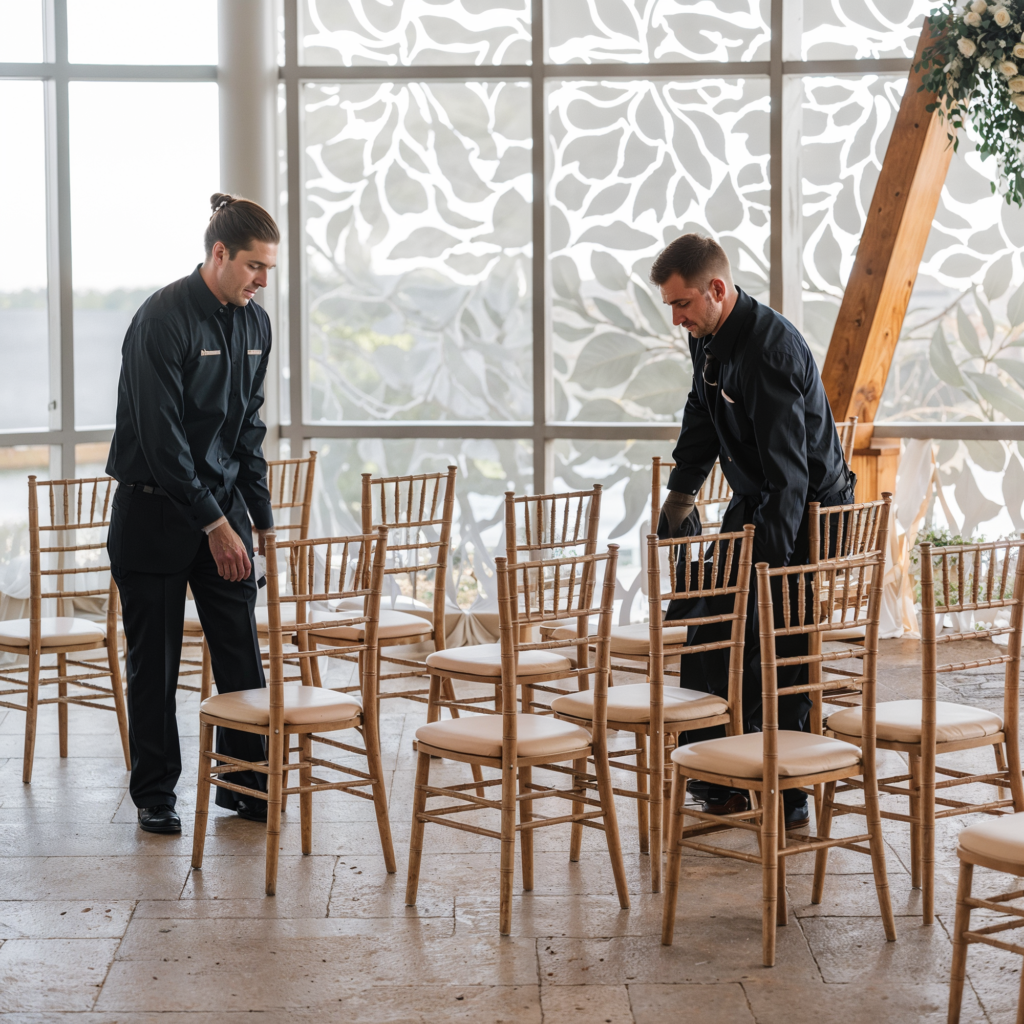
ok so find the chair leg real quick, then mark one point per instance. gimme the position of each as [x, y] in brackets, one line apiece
[769, 875]
[526, 834]
[371, 741]
[824, 831]
[610, 820]
[275, 751]
[962, 924]
[997, 750]
[675, 857]
[419, 804]
[31, 714]
[202, 794]
[643, 807]
[928, 836]
[120, 710]
[579, 785]
[877, 845]
[206, 677]
[657, 810]
[816, 726]
[62, 708]
[508, 846]
[306, 799]
[781, 896]
[915, 825]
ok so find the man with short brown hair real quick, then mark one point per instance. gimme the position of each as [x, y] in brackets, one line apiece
[757, 405]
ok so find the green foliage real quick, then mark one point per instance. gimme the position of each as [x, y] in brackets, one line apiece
[973, 68]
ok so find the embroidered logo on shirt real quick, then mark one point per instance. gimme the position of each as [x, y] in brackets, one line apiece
[731, 401]
[209, 351]
[255, 351]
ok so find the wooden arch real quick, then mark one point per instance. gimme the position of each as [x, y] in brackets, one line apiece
[875, 301]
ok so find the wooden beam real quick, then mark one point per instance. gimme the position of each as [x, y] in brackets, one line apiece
[895, 234]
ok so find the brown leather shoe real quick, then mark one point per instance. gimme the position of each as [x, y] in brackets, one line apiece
[736, 803]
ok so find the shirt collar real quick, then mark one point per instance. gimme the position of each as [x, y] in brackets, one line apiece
[721, 345]
[206, 302]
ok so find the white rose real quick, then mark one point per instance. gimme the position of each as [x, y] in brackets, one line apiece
[979, 6]
[1008, 68]
[1018, 50]
[1016, 83]
[1018, 101]
[985, 62]
[1002, 17]
[972, 20]
[967, 46]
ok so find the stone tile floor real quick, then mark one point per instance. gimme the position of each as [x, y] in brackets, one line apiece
[101, 923]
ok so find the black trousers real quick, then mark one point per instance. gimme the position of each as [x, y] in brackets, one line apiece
[709, 670]
[153, 608]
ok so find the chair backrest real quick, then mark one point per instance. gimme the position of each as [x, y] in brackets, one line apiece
[840, 531]
[326, 571]
[847, 430]
[68, 522]
[541, 526]
[802, 600]
[291, 488]
[417, 511]
[971, 578]
[715, 491]
[566, 587]
[719, 569]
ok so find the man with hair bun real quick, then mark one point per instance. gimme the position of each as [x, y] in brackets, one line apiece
[757, 405]
[187, 453]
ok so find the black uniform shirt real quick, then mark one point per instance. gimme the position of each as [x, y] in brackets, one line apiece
[188, 402]
[758, 404]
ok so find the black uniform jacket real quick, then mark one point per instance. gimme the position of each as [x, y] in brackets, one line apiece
[188, 426]
[758, 404]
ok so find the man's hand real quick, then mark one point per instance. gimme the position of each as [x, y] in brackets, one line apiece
[229, 553]
[674, 511]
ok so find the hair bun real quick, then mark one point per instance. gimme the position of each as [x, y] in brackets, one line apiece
[219, 200]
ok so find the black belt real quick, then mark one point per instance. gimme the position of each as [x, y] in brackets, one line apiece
[146, 489]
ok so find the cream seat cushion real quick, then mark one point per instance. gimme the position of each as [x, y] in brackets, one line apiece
[900, 722]
[800, 753]
[537, 735]
[632, 703]
[56, 632]
[303, 705]
[1000, 838]
[392, 625]
[485, 660]
[634, 638]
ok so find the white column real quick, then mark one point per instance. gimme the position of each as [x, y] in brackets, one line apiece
[247, 77]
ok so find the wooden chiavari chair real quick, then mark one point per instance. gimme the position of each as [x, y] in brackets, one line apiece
[514, 742]
[325, 570]
[847, 430]
[793, 602]
[290, 482]
[417, 511]
[67, 544]
[999, 846]
[720, 575]
[971, 578]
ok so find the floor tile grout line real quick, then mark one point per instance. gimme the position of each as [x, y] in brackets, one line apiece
[113, 959]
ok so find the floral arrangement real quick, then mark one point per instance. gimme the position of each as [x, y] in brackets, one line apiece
[975, 67]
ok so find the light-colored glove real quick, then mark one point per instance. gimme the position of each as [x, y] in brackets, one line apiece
[676, 508]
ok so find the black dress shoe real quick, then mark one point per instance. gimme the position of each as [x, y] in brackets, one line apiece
[252, 810]
[797, 817]
[162, 818]
[735, 803]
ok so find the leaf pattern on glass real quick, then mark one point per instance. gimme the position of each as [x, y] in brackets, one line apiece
[418, 235]
[633, 165]
[410, 32]
[648, 31]
[487, 469]
[845, 29]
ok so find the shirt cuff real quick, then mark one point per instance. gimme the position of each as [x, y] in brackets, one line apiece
[687, 482]
[213, 526]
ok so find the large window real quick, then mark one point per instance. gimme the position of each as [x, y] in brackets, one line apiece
[471, 200]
